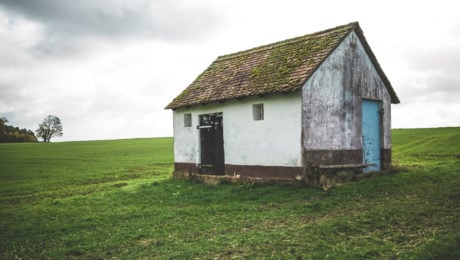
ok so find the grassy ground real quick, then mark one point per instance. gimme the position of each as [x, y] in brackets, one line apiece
[114, 199]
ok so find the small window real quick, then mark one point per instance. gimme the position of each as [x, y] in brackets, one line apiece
[258, 111]
[187, 120]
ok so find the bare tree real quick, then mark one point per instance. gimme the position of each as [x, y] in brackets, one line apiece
[50, 127]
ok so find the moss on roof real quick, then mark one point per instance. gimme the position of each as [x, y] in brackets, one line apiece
[280, 67]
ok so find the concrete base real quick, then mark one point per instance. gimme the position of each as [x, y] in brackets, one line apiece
[249, 171]
[222, 179]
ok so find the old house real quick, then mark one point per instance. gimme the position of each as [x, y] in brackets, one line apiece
[291, 109]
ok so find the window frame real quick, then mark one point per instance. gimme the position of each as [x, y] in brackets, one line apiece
[188, 120]
[258, 113]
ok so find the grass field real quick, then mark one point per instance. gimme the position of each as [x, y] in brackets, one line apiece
[115, 199]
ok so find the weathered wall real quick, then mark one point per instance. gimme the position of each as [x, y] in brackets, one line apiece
[274, 141]
[331, 111]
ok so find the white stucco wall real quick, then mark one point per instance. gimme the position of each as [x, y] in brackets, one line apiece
[333, 95]
[274, 141]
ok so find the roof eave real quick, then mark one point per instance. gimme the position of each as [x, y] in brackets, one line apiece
[204, 103]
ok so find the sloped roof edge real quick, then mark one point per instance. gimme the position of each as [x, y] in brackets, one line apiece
[356, 28]
[394, 97]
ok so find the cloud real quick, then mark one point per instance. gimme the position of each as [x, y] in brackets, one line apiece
[433, 68]
[119, 91]
[442, 58]
[430, 113]
[68, 25]
[17, 37]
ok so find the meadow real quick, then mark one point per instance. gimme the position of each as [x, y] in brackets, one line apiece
[116, 199]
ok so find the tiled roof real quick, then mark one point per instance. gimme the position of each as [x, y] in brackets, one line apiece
[280, 67]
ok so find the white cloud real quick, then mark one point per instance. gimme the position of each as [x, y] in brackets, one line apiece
[67, 24]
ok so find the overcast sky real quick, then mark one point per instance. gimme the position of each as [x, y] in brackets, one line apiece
[107, 68]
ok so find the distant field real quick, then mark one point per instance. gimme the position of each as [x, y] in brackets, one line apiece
[115, 199]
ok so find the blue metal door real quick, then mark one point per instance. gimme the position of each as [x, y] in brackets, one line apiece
[371, 135]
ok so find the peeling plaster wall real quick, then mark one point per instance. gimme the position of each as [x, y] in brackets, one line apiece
[274, 141]
[331, 110]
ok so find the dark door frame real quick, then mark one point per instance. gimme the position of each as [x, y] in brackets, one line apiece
[211, 144]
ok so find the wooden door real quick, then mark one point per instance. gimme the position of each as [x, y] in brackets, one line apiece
[212, 144]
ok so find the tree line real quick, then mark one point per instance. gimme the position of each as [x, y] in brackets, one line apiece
[50, 127]
[11, 134]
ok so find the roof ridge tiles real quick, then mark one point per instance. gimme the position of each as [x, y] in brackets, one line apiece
[293, 40]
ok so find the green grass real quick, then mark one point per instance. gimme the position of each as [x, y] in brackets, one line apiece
[115, 199]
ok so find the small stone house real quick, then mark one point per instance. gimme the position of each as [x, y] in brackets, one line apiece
[288, 110]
